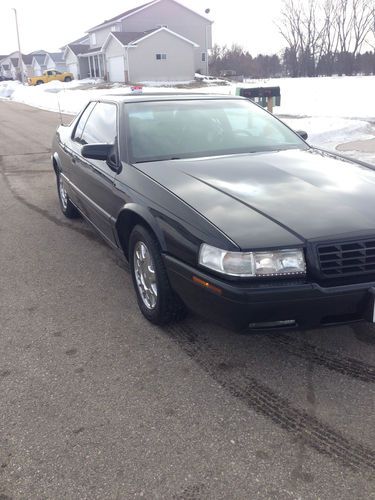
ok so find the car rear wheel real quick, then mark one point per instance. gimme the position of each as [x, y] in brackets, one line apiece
[156, 299]
[67, 207]
[67, 79]
[39, 82]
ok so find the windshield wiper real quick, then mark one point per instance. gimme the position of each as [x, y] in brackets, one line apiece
[159, 159]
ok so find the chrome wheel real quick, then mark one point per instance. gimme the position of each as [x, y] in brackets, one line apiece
[63, 194]
[145, 276]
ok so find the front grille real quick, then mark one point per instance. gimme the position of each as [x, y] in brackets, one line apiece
[349, 258]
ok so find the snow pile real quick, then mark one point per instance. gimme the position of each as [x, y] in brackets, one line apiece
[7, 88]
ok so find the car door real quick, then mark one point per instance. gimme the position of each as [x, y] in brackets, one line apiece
[95, 178]
[72, 151]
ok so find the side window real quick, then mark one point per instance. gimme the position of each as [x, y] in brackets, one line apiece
[82, 122]
[101, 126]
[49, 73]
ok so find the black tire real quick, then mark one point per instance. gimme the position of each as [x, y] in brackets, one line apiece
[67, 79]
[67, 207]
[168, 308]
[39, 82]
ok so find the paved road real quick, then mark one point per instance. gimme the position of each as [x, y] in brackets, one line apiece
[97, 403]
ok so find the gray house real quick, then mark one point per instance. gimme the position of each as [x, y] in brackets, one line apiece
[161, 40]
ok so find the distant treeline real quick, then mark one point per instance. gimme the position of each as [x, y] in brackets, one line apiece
[322, 38]
[235, 59]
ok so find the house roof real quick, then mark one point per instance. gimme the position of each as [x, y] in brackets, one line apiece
[120, 16]
[27, 58]
[127, 39]
[14, 61]
[79, 48]
[130, 12]
[56, 56]
[39, 58]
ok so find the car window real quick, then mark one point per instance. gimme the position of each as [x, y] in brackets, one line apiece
[196, 128]
[82, 122]
[101, 127]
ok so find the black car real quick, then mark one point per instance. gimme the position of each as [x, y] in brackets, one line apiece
[222, 209]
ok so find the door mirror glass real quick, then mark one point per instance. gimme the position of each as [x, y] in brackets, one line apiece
[302, 134]
[97, 151]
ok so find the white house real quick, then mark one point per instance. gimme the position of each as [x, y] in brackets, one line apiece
[55, 60]
[160, 40]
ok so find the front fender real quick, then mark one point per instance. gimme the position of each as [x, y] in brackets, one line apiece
[132, 214]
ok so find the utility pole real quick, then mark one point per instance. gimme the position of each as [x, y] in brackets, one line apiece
[207, 11]
[20, 61]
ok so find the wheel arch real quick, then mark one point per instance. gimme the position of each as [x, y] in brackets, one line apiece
[129, 217]
[56, 163]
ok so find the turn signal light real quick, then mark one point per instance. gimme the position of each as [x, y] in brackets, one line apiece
[208, 285]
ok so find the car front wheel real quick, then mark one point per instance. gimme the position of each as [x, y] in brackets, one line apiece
[67, 79]
[67, 207]
[156, 300]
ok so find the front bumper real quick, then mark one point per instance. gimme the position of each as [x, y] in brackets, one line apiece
[303, 305]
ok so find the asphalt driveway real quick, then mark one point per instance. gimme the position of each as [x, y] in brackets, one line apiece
[97, 403]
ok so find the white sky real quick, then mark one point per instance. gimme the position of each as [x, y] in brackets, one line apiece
[50, 24]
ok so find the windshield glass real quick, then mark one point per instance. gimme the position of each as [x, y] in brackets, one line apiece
[195, 128]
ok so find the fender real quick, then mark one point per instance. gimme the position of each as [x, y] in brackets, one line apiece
[128, 216]
[56, 161]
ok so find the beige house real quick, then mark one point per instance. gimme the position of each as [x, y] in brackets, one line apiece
[162, 40]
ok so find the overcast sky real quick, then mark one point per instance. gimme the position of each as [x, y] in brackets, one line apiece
[50, 24]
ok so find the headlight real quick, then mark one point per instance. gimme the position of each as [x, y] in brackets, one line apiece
[247, 264]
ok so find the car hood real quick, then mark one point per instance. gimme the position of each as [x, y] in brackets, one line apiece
[278, 198]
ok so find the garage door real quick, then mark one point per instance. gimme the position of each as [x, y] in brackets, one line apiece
[116, 69]
[73, 68]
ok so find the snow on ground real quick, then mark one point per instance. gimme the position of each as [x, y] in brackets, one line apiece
[331, 110]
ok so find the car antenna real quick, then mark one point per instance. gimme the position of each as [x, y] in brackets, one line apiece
[58, 103]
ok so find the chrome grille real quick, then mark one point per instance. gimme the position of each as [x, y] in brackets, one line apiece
[348, 258]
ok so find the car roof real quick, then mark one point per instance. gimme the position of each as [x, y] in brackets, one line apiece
[163, 96]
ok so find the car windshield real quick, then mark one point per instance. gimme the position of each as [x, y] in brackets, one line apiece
[177, 129]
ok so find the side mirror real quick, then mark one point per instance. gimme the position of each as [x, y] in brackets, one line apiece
[302, 134]
[96, 151]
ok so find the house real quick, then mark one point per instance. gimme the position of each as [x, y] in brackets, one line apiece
[161, 40]
[32, 64]
[38, 64]
[9, 66]
[55, 60]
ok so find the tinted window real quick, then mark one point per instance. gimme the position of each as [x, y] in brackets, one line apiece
[191, 129]
[101, 125]
[82, 122]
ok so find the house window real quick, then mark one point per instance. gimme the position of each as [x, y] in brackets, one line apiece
[116, 27]
[93, 39]
[203, 56]
[161, 57]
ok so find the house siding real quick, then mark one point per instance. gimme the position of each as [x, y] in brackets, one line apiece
[115, 49]
[178, 66]
[178, 19]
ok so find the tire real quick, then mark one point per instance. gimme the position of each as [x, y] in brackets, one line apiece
[39, 82]
[164, 306]
[67, 207]
[67, 79]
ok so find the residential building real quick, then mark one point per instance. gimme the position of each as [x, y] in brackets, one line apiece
[157, 41]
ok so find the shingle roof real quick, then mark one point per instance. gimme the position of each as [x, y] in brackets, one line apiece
[79, 48]
[27, 58]
[56, 56]
[14, 61]
[39, 58]
[120, 16]
[126, 38]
